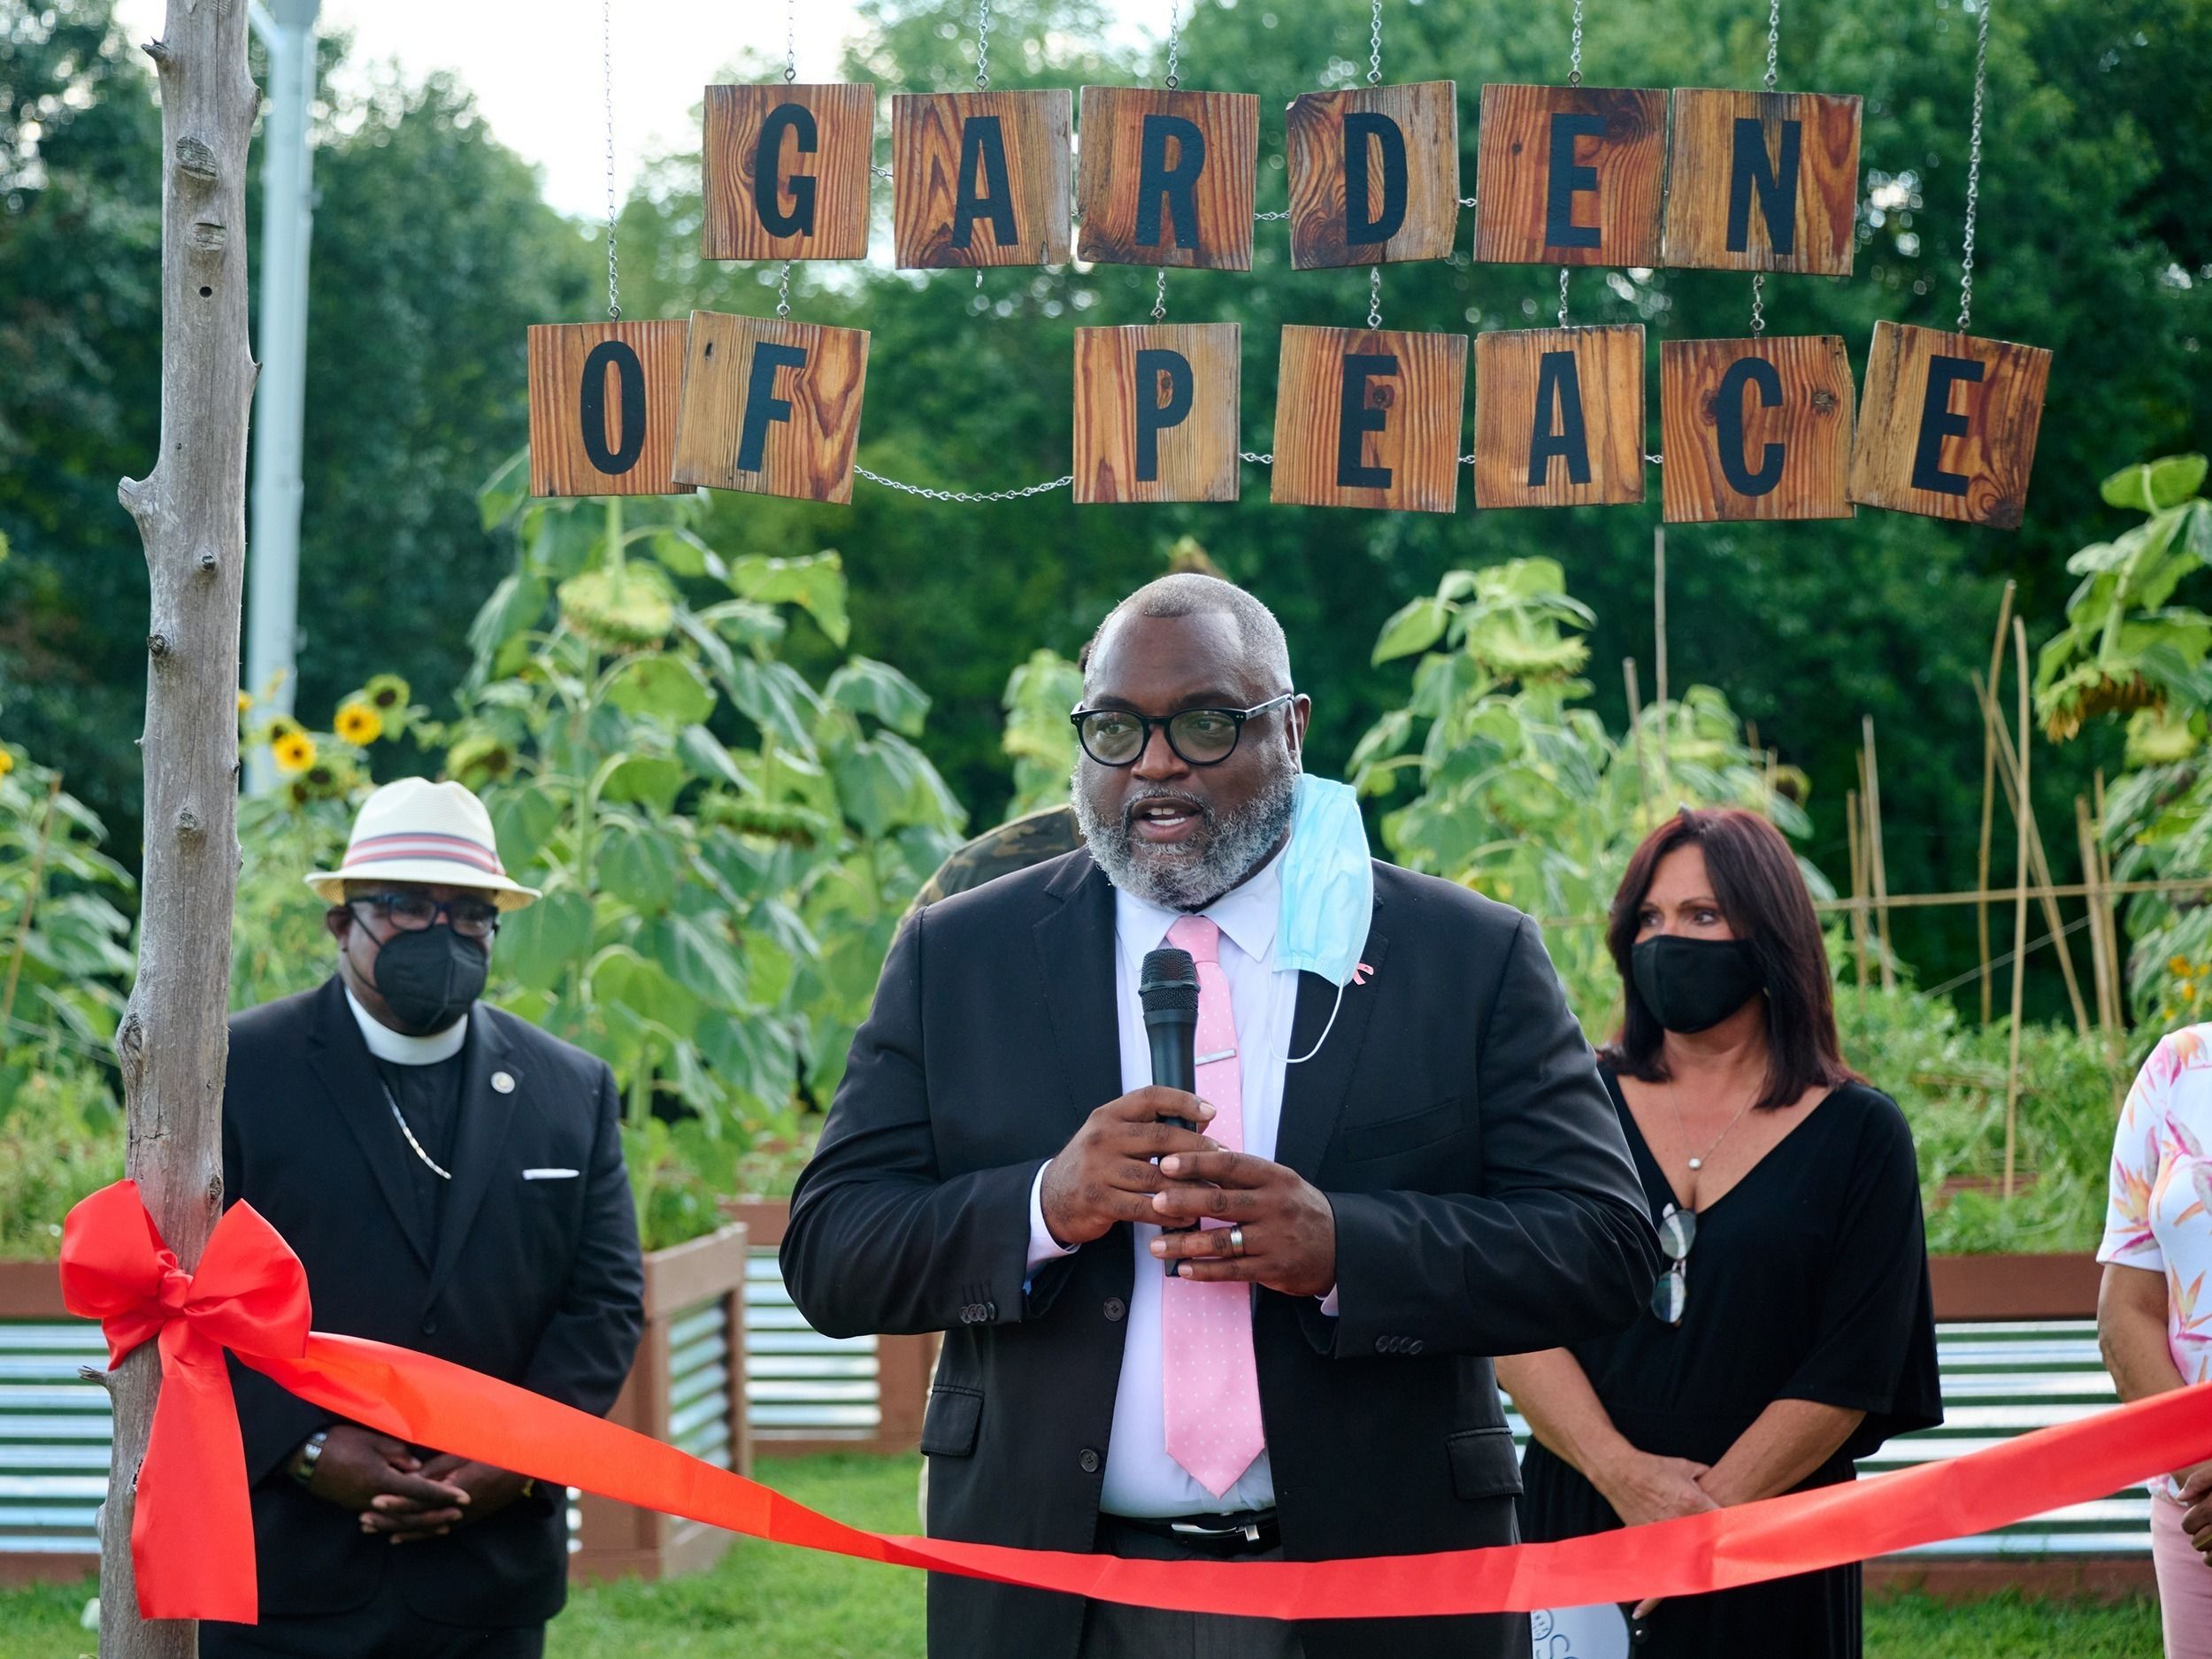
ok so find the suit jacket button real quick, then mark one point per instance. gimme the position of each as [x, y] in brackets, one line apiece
[988, 1312]
[1116, 1307]
[1415, 1345]
[430, 1325]
[1089, 1461]
[1382, 1345]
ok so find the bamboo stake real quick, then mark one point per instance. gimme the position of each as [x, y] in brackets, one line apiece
[1989, 768]
[2019, 914]
[1659, 647]
[2085, 839]
[1877, 864]
[1636, 737]
[30, 905]
[1995, 719]
[1858, 884]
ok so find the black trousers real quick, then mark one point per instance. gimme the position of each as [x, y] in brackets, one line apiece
[1111, 1631]
[386, 1628]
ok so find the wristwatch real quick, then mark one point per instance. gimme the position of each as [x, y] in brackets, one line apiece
[311, 1452]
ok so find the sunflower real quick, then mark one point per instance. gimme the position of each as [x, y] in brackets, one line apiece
[358, 723]
[386, 693]
[245, 700]
[295, 752]
[7, 763]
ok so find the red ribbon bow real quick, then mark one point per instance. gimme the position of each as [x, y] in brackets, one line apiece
[192, 1530]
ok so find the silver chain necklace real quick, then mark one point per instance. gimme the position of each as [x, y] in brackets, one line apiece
[400, 1118]
[1697, 1160]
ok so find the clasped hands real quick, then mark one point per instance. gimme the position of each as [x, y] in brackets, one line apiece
[1107, 1173]
[404, 1497]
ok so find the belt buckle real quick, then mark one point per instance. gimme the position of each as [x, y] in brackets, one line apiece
[1249, 1531]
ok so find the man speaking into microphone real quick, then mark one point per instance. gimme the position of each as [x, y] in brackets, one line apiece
[1253, 1320]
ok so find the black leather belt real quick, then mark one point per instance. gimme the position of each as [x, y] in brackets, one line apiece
[1241, 1533]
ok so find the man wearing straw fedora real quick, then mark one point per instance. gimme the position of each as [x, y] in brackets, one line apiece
[452, 1179]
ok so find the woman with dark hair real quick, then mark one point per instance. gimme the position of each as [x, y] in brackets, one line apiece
[1792, 1330]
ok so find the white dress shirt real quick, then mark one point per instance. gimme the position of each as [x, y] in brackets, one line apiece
[401, 1049]
[1141, 1479]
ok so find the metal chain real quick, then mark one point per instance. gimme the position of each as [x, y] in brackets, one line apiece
[1562, 296]
[1758, 304]
[1974, 167]
[790, 40]
[1374, 46]
[1255, 458]
[1374, 296]
[606, 67]
[1159, 295]
[982, 45]
[1263, 215]
[1574, 56]
[1773, 78]
[1174, 43]
[966, 496]
[783, 291]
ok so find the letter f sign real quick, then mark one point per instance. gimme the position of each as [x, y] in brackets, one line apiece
[761, 405]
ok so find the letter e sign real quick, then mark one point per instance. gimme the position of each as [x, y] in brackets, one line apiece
[1156, 412]
[1568, 175]
[603, 407]
[1374, 174]
[980, 178]
[786, 171]
[1369, 418]
[770, 407]
[1166, 178]
[1948, 424]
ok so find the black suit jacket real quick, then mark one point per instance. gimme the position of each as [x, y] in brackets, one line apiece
[536, 1282]
[1484, 1198]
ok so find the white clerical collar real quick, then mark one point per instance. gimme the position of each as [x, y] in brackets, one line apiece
[1247, 912]
[398, 1047]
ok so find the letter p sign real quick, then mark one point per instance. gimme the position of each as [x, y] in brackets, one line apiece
[1156, 412]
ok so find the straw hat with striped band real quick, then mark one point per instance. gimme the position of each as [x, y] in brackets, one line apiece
[415, 830]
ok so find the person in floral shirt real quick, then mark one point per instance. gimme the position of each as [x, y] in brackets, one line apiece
[2155, 1309]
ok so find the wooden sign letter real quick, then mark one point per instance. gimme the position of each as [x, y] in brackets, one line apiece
[1374, 175]
[1559, 417]
[603, 407]
[786, 171]
[980, 178]
[1568, 175]
[1167, 178]
[1763, 181]
[770, 407]
[1949, 424]
[1755, 428]
[1370, 418]
[1156, 412]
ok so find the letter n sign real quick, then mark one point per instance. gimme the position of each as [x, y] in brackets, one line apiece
[1156, 412]
[603, 407]
[1763, 181]
[1370, 418]
[1755, 428]
[1559, 417]
[1374, 174]
[770, 407]
[980, 178]
[1569, 175]
[1166, 178]
[1948, 426]
[786, 171]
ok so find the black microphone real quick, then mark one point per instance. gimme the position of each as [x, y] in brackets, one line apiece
[1167, 986]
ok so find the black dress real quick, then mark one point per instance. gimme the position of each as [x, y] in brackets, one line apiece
[1809, 1280]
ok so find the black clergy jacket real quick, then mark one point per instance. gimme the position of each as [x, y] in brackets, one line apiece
[1484, 1198]
[535, 1281]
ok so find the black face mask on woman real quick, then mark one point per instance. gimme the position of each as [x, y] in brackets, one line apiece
[429, 979]
[1691, 985]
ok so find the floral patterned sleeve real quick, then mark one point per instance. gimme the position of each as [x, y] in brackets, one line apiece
[2136, 1147]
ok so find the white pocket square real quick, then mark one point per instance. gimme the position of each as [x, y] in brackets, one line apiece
[550, 1175]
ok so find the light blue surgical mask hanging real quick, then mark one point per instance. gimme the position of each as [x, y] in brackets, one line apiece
[1328, 890]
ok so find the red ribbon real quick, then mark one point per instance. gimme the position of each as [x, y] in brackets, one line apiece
[192, 1538]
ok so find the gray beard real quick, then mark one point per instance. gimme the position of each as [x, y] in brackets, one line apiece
[1194, 875]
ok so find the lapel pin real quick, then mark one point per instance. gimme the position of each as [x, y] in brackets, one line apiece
[504, 1082]
[1360, 970]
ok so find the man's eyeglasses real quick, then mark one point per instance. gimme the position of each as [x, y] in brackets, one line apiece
[1201, 737]
[412, 912]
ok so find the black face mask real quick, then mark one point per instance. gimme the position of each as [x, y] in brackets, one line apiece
[429, 979]
[1691, 985]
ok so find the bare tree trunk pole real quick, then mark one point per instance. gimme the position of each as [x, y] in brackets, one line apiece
[1870, 780]
[1989, 784]
[191, 515]
[2019, 912]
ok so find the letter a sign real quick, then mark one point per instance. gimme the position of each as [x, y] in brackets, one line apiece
[770, 407]
[786, 171]
[980, 178]
[603, 407]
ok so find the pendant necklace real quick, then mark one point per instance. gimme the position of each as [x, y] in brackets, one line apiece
[1697, 1160]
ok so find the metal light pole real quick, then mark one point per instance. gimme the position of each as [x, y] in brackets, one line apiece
[287, 28]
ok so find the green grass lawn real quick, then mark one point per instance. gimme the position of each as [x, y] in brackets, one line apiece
[764, 1602]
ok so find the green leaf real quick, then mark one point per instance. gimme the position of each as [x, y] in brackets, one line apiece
[652, 781]
[1418, 625]
[523, 818]
[660, 685]
[2151, 486]
[705, 753]
[753, 1054]
[514, 605]
[868, 686]
[623, 977]
[638, 865]
[699, 956]
[816, 585]
[541, 942]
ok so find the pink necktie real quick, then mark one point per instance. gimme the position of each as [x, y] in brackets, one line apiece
[1211, 1382]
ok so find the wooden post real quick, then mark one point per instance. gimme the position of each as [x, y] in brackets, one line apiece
[2019, 910]
[2040, 863]
[1989, 768]
[191, 516]
[1876, 862]
[2085, 842]
[1858, 890]
[1636, 737]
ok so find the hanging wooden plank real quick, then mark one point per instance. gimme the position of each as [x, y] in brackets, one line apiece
[1559, 417]
[1374, 174]
[1762, 181]
[1948, 424]
[1569, 175]
[980, 178]
[1369, 418]
[603, 407]
[1755, 428]
[1167, 178]
[785, 172]
[770, 407]
[1156, 412]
